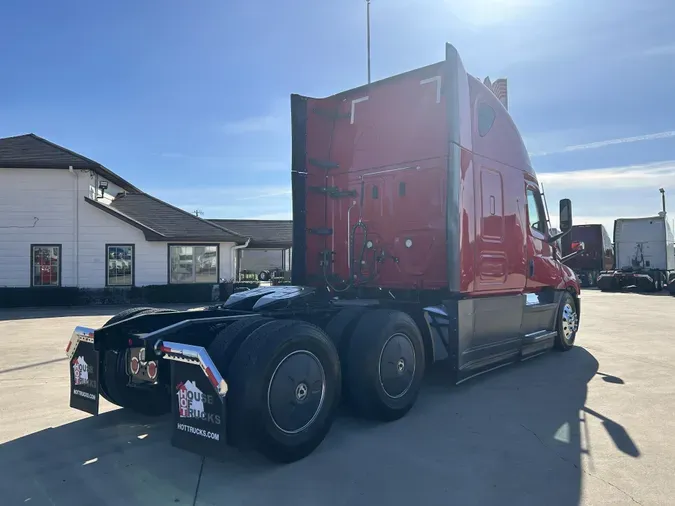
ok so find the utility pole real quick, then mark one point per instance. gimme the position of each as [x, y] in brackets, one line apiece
[368, 35]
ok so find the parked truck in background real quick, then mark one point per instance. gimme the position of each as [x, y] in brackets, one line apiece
[596, 257]
[420, 235]
[645, 258]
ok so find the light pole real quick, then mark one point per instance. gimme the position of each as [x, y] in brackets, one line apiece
[368, 35]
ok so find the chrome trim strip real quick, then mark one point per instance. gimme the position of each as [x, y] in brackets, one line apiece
[85, 334]
[197, 355]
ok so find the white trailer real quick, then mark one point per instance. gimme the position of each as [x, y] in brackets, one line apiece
[644, 252]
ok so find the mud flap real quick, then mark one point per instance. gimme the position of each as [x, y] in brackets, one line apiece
[84, 376]
[197, 411]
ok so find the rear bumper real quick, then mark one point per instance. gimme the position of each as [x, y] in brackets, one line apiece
[618, 280]
[196, 386]
[623, 277]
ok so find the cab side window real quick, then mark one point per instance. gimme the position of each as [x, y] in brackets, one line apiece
[535, 211]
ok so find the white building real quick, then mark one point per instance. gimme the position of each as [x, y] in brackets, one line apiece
[66, 220]
[270, 247]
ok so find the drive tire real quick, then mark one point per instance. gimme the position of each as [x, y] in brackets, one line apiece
[113, 380]
[264, 276]
[611, 285]
[391, 339]
[135, 311]
[567, 323]
[228, 340]
[260, 392]
[342, 325]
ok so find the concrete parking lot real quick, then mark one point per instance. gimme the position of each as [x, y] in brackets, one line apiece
[593, 426]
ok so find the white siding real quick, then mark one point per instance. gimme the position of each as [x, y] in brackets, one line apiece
[53, 198]
[226, 260]
[25, 195]
[98, 228]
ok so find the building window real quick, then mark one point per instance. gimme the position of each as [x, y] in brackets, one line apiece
[46, 265]
[535, 211]
[120, 258]
[193, 264]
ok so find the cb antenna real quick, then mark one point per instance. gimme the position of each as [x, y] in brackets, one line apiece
[368, 35]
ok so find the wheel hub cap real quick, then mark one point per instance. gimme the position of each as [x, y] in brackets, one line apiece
[301, 392]
[397, 365]
[570, 322]
[296, 391]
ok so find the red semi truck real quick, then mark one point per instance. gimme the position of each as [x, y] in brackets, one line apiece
[596, 257]
[420, 235]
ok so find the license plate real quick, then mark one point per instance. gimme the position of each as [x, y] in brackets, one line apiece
[84, 377]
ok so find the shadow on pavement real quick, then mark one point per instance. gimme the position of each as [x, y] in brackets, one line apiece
[30, 366]
[116, 458]
[510, 437]
[610, 379]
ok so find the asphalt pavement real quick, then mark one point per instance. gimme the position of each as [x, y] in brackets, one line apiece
[593, 426]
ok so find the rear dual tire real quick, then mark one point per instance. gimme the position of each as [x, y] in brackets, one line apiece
[284, 390]
[363, 337]
[385, 365]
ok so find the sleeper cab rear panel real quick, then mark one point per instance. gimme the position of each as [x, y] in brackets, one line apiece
[388, 155]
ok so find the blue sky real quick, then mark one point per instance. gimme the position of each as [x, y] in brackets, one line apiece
[190, 100]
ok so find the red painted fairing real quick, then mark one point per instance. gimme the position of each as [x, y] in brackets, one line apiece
[395, 153]
[399, 136]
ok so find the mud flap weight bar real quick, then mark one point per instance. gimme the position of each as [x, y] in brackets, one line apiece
[196, 355]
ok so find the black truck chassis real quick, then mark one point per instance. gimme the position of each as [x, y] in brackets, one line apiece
[644, 280]
[267, 368]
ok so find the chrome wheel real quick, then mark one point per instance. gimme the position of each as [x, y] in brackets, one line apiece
[570, 323]
[296, 392]
[397, 365]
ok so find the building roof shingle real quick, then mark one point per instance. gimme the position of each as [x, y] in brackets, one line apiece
[263, 233]
[160, 221]
[33, 152]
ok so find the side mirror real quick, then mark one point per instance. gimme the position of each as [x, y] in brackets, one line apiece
[565, 215]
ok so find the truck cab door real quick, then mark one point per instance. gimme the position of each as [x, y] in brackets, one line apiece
[543, 270]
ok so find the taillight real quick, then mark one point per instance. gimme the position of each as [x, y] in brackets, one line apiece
[135, 365]
[152, 369]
